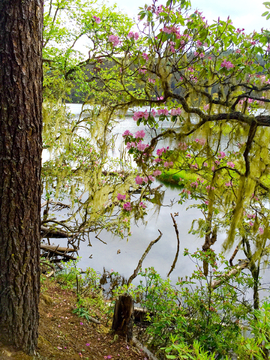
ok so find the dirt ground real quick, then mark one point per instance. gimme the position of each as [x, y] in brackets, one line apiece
[64, 335]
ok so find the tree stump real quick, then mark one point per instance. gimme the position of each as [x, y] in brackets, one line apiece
[123, 316]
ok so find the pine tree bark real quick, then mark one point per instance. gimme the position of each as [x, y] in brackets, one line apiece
[20, 168]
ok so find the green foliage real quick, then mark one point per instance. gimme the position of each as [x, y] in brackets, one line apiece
[266, 13]
[194, 311]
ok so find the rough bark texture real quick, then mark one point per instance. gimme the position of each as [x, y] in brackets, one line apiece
[123, 316]
[20, 167]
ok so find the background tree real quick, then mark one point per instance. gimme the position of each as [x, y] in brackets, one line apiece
[20, 167]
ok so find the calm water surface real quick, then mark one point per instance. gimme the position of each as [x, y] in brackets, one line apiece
[123, 256]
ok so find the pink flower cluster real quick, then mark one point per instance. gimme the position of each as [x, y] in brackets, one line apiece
[142, 70]
[140, 114]
[121, 197]
[97, 19]
[175, 112]
[200, 141]
[161, 151]
[141, 146]
[139, 180]
[127, 133]
[145, 56]
[127, 206]
[230, 164]
[163, 112]
[156, 173]
[221, 155]
[114, 40]
[227, 64]
[133, 35]
[183, 146]
[142, 205]
[139, 134]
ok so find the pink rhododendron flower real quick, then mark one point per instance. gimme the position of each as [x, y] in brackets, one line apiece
[138, 180]
[114, 40]
[206, 107]
[97, 19]
[228, 184]
[160, 151]
[141, 146]
[140, 134]
[175, 112]
[222, 155]
[127, 133]
[142, 205]
[182, 146]
[231, 164]
[163, 112]
[140, 114]
[261, 230]
[145, 179]
[127, 206]
[133, 35]
[157, 173]
[226, 64]
[152, 81]
[142, 70]
[145, 56]
[153, 111]
[130, 145]
[205, 164]
[194, 166]
[200, 141]
[251, 223]
[121, 197]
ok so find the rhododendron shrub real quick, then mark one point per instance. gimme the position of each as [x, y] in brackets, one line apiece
[206, 88]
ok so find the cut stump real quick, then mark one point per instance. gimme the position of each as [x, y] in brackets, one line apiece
[123, 316]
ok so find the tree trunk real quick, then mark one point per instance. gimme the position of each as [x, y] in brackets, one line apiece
[20, 167]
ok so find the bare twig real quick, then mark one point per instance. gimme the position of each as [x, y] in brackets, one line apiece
[178, 245]
[132, 277]
[233, 256]
[242, 265]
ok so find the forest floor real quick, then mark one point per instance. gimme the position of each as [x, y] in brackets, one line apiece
[64, 335]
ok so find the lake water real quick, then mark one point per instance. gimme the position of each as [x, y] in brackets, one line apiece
[122, 256]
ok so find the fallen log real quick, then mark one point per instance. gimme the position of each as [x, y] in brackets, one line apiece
[54, 250]
[53, 233]
[57, 248]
